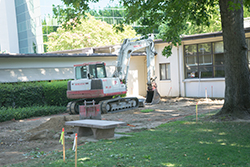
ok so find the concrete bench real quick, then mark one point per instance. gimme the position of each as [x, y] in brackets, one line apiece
[101, 129]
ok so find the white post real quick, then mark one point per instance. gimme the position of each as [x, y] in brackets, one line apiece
[212, 91]
[206, 92]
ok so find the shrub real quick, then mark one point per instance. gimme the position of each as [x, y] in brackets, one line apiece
[21, 95]
[7, 114]
[26, 94]
[55, 93]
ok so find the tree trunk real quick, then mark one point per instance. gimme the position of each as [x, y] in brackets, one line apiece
[237, 92]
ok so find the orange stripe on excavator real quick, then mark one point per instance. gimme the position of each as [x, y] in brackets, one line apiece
[97, 93]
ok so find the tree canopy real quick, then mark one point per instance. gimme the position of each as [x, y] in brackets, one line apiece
[88, 32]
[111, 15]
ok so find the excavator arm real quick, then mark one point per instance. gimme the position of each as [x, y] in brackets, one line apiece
[127, 48]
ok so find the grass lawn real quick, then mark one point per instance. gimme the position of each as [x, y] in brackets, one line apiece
[180, 143]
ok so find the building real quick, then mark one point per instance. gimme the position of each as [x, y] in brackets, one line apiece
[195, 68]
[20, 27]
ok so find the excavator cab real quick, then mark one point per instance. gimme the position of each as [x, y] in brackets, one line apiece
[90, 70]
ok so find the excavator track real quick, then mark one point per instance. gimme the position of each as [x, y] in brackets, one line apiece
[119, 104]
[107, 106]
[73, 107]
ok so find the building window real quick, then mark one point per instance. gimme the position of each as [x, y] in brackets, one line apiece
[204, 60]
[165, 71]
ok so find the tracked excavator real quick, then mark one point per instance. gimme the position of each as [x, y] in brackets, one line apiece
[92, 86]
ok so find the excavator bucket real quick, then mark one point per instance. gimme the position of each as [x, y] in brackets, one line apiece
[153, 97]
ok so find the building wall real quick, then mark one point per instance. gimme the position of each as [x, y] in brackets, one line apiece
[8, 27]
[200, 87]
[203, 87]
[178, 85]
[137, 77]
[167, 88]
[28, 17]
[57, 68]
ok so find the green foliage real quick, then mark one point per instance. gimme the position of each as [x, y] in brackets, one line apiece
[108, 12]
[65, 13]
[55, 93]
[7, 114]
[234, 5]
[25, 94]
[111, 15]
[122, 95]
[88, 33]
[147, 110]
[47, 29]
[21, 95]
[214, 20]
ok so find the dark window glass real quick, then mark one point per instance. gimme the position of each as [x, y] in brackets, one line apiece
[190, 49]
[207, 62]
[92, 71]
[204, 48]
[192, 72]
[164, 71]
[205, 72]
[219, 71]
[100, 71]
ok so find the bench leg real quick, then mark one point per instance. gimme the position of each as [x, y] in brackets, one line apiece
[83, 131]
[103, 133]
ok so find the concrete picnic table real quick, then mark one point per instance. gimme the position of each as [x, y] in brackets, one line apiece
[101, 129]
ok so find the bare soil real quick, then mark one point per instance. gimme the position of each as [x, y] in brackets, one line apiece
[19, 138]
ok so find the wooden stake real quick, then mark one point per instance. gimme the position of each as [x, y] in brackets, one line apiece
[196, 112]
[63, 146]
[206, 93]
[76, 151]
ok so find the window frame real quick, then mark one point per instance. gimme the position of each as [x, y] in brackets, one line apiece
[201, 65]
[166, 71]
[215, 65]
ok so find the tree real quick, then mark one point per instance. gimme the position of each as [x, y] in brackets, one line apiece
[237, 93]
[47, 29]
[88, 32]
[175, 14]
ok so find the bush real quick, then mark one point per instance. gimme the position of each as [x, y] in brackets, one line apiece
[7, 114]
[55, 93]
[21, 95]
[26, 94]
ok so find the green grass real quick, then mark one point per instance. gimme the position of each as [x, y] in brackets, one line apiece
[147, 110]
[180, 143]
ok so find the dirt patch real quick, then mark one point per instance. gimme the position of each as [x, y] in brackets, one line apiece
[19, 138]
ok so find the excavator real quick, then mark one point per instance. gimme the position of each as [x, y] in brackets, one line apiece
[92, 86]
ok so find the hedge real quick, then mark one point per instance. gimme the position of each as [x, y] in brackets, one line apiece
[7, 114]
[26, 94]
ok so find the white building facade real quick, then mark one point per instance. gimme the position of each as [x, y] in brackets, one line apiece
[195, 68]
